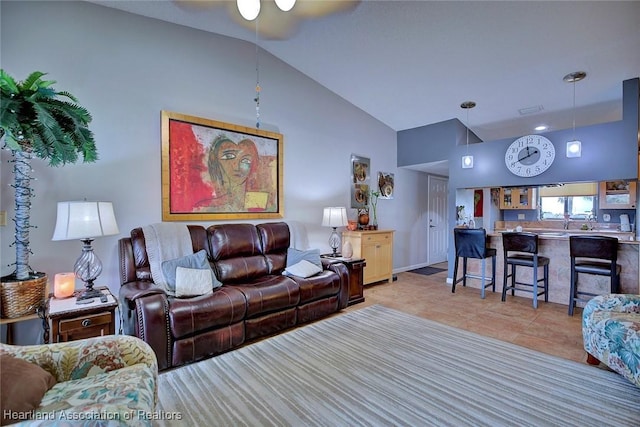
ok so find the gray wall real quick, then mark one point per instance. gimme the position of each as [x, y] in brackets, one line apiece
[125, 69]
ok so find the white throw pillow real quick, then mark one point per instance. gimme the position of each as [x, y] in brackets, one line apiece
[192, 282]
[303, 268]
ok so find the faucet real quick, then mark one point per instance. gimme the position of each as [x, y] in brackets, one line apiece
[565, 224]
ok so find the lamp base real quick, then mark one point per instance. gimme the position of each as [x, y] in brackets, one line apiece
[89, 293]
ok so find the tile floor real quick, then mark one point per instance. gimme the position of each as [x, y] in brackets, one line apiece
[548, 329]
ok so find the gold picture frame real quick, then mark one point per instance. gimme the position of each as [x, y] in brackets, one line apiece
[213, 170]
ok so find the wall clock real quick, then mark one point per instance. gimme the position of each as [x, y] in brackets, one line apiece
[529, 155]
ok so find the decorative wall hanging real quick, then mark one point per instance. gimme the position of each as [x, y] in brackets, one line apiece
[219, 171]
[360, 179]
[385, 185]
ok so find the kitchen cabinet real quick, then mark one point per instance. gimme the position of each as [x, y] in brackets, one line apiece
[617, 195]
[376, 247]
[518, 198]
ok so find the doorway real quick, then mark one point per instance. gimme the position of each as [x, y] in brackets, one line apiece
[437, 223]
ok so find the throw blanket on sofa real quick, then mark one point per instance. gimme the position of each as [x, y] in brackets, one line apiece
[165, 241]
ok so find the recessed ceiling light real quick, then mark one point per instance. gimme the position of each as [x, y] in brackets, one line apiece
[540, 128]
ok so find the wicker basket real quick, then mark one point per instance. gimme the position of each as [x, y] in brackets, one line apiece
[21, 298]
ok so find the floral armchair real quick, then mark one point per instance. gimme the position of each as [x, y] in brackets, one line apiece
[109, 380]
[611, 332]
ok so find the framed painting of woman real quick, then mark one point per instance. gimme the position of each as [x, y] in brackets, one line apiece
[213, 170]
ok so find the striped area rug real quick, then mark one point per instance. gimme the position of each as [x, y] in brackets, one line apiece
[381, 367]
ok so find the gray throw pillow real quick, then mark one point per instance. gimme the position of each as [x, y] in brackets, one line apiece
[294, 256]
[197, 261]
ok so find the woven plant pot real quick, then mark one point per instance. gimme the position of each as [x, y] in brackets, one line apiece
[22, 297]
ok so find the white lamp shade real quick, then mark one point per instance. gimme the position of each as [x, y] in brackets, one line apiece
[83, 220]
[334, 217]
[285, 5]
[249, 9]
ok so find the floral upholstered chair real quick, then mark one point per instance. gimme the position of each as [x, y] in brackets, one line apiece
[611, 332]
[109, 380]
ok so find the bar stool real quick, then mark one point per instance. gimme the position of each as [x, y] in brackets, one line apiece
[472, 243]
[525, 246]
[597, 255]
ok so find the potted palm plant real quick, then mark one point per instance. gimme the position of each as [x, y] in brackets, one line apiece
[36, 121]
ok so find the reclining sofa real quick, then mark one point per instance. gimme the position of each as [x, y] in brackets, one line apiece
[255, 299]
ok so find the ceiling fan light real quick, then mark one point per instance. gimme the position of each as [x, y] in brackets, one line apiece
[574, 148]
[249, 9]
[285, 5]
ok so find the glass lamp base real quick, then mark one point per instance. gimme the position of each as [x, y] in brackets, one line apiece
[89, 293]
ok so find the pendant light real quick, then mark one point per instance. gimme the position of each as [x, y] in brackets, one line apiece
[467, 159]
[574, 147]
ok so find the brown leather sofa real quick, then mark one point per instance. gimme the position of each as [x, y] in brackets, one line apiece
[255, 300]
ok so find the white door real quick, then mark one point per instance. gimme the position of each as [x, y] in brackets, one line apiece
[437, 225]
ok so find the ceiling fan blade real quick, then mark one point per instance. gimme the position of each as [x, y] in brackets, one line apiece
[272, 23]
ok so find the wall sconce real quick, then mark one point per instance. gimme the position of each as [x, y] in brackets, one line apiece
[574, 148]
[84, 221]
[334, 217]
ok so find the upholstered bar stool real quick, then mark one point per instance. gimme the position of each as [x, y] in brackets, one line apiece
[592, 255]
[521, 250]
[472, 243]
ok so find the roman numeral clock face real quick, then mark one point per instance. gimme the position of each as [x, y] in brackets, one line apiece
[529, 155]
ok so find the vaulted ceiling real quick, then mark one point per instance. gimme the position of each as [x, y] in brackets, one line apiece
[412, 63]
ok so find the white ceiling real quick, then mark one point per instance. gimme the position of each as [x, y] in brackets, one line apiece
[412, 63]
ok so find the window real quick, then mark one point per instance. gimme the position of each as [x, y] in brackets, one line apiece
[577, 207]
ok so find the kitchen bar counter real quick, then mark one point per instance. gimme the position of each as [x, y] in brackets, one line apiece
[554, 244]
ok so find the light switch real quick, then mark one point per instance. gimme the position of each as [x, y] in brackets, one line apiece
[3, 218]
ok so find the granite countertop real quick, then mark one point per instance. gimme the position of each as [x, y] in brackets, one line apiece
[623, 237]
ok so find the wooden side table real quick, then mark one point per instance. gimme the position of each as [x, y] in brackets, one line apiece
[356, 277]
[69, 321]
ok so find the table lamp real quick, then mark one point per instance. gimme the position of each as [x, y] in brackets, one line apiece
[85, 221]
[334, 217]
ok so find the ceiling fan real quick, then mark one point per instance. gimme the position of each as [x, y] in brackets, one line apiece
[272, 21]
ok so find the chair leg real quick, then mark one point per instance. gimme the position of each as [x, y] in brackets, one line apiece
[513, 280]
[464, 272]
[493, 273]
[546, 283]
[572, 290]
[455, 275]
[483, 272]
[504, 281]
[535, 285]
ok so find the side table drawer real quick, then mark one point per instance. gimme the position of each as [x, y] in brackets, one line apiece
[85, 327]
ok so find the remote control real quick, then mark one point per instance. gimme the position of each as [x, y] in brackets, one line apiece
[103, 298]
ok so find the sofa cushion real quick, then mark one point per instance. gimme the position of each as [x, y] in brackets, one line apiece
[322, 285]
[122, 393]
[194, 282]
[22, 386]
[221, 308]
[303, 268]
[269, 293]
[196, 261]
[294, 256]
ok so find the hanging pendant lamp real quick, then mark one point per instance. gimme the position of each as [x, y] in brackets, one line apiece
[467, 159]
[574, 147]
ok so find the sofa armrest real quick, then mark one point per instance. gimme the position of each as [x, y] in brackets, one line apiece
[145, 315]
[343, 272]
[84, 358]
[620, 303]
